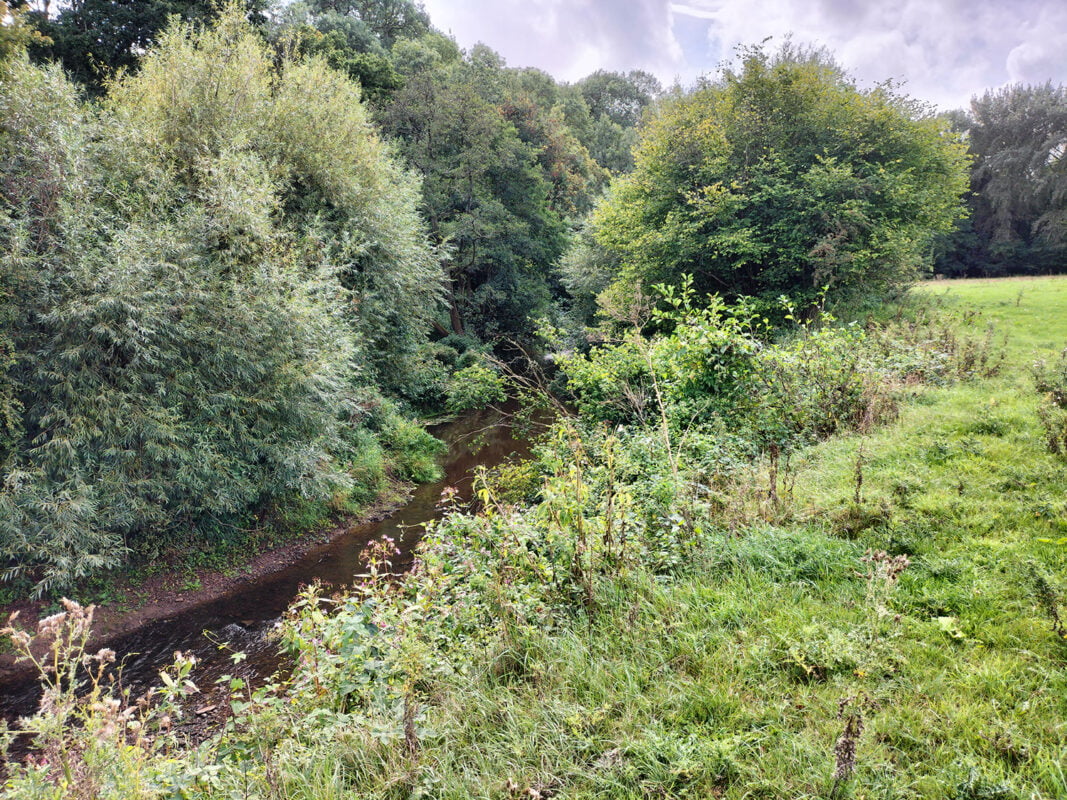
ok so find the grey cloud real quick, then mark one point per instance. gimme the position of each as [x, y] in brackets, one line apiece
[567, 38]
[943, 51]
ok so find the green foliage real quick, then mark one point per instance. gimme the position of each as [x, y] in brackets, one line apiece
[716, 370]
[207, 270]
[388, 20]
[1052, 383]
[485, 195]
[620, 638]
[621, 98]
[574, 176]
[355, 38]
[96, 39]
[373, 70]
[16, 31]
[414, 451]
[1018, 185]
[606, 111]
[586, 270]
[784, 178]
[476, 386]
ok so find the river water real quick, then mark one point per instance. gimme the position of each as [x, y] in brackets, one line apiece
[243, 620]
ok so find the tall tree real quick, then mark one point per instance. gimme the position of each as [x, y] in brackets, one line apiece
[484, 195]
[93, 39]
[620, 97]
[1018, 188]
[574, 178]
[784, 178]
[606, 109]
[390, 20]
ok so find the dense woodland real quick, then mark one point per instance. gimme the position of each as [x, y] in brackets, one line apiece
[245, 246]
[256, 247]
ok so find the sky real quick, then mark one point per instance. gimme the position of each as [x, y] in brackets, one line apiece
[941, 51]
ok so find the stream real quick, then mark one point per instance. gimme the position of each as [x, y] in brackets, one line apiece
[242, 620]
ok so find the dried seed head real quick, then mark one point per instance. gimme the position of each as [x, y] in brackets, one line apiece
[51, 624]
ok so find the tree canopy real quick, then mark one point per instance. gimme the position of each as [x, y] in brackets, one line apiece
[1018, 189]
[783, 177]
[94, 39]
[502, 174]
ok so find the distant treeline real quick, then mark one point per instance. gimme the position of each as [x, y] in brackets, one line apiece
[1017, 201]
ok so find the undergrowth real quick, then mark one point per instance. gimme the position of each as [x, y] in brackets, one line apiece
[671, 607]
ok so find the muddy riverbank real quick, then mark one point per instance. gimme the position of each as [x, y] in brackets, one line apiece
[236, 612]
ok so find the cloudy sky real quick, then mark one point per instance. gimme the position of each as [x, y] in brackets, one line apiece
[944, 51]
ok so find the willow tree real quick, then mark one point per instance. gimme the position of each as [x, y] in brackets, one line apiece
[781, 178]
[1018, 198]
[215, 267]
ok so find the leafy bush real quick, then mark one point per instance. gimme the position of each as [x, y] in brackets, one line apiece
[783, 177]
[1051, 381]
[720, 370]
[715, 369]
[206, 270]
[414, 451]
[476, 386]
[702, 368]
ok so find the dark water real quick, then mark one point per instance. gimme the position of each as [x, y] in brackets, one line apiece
[242, 621]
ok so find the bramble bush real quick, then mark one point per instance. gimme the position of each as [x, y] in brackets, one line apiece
[722, 369]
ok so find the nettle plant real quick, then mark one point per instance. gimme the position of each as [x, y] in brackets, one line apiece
[714, 366]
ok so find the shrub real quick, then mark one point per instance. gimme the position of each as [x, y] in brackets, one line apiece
[207, 269]
[1051, 381]
[413, 450]
[475, 386]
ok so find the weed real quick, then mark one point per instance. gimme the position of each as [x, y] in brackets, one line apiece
[88, 735]
[1051, 382]
[1048, 597]
[977, 787]
[191, 583]
[857, 475]
[850, 709]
